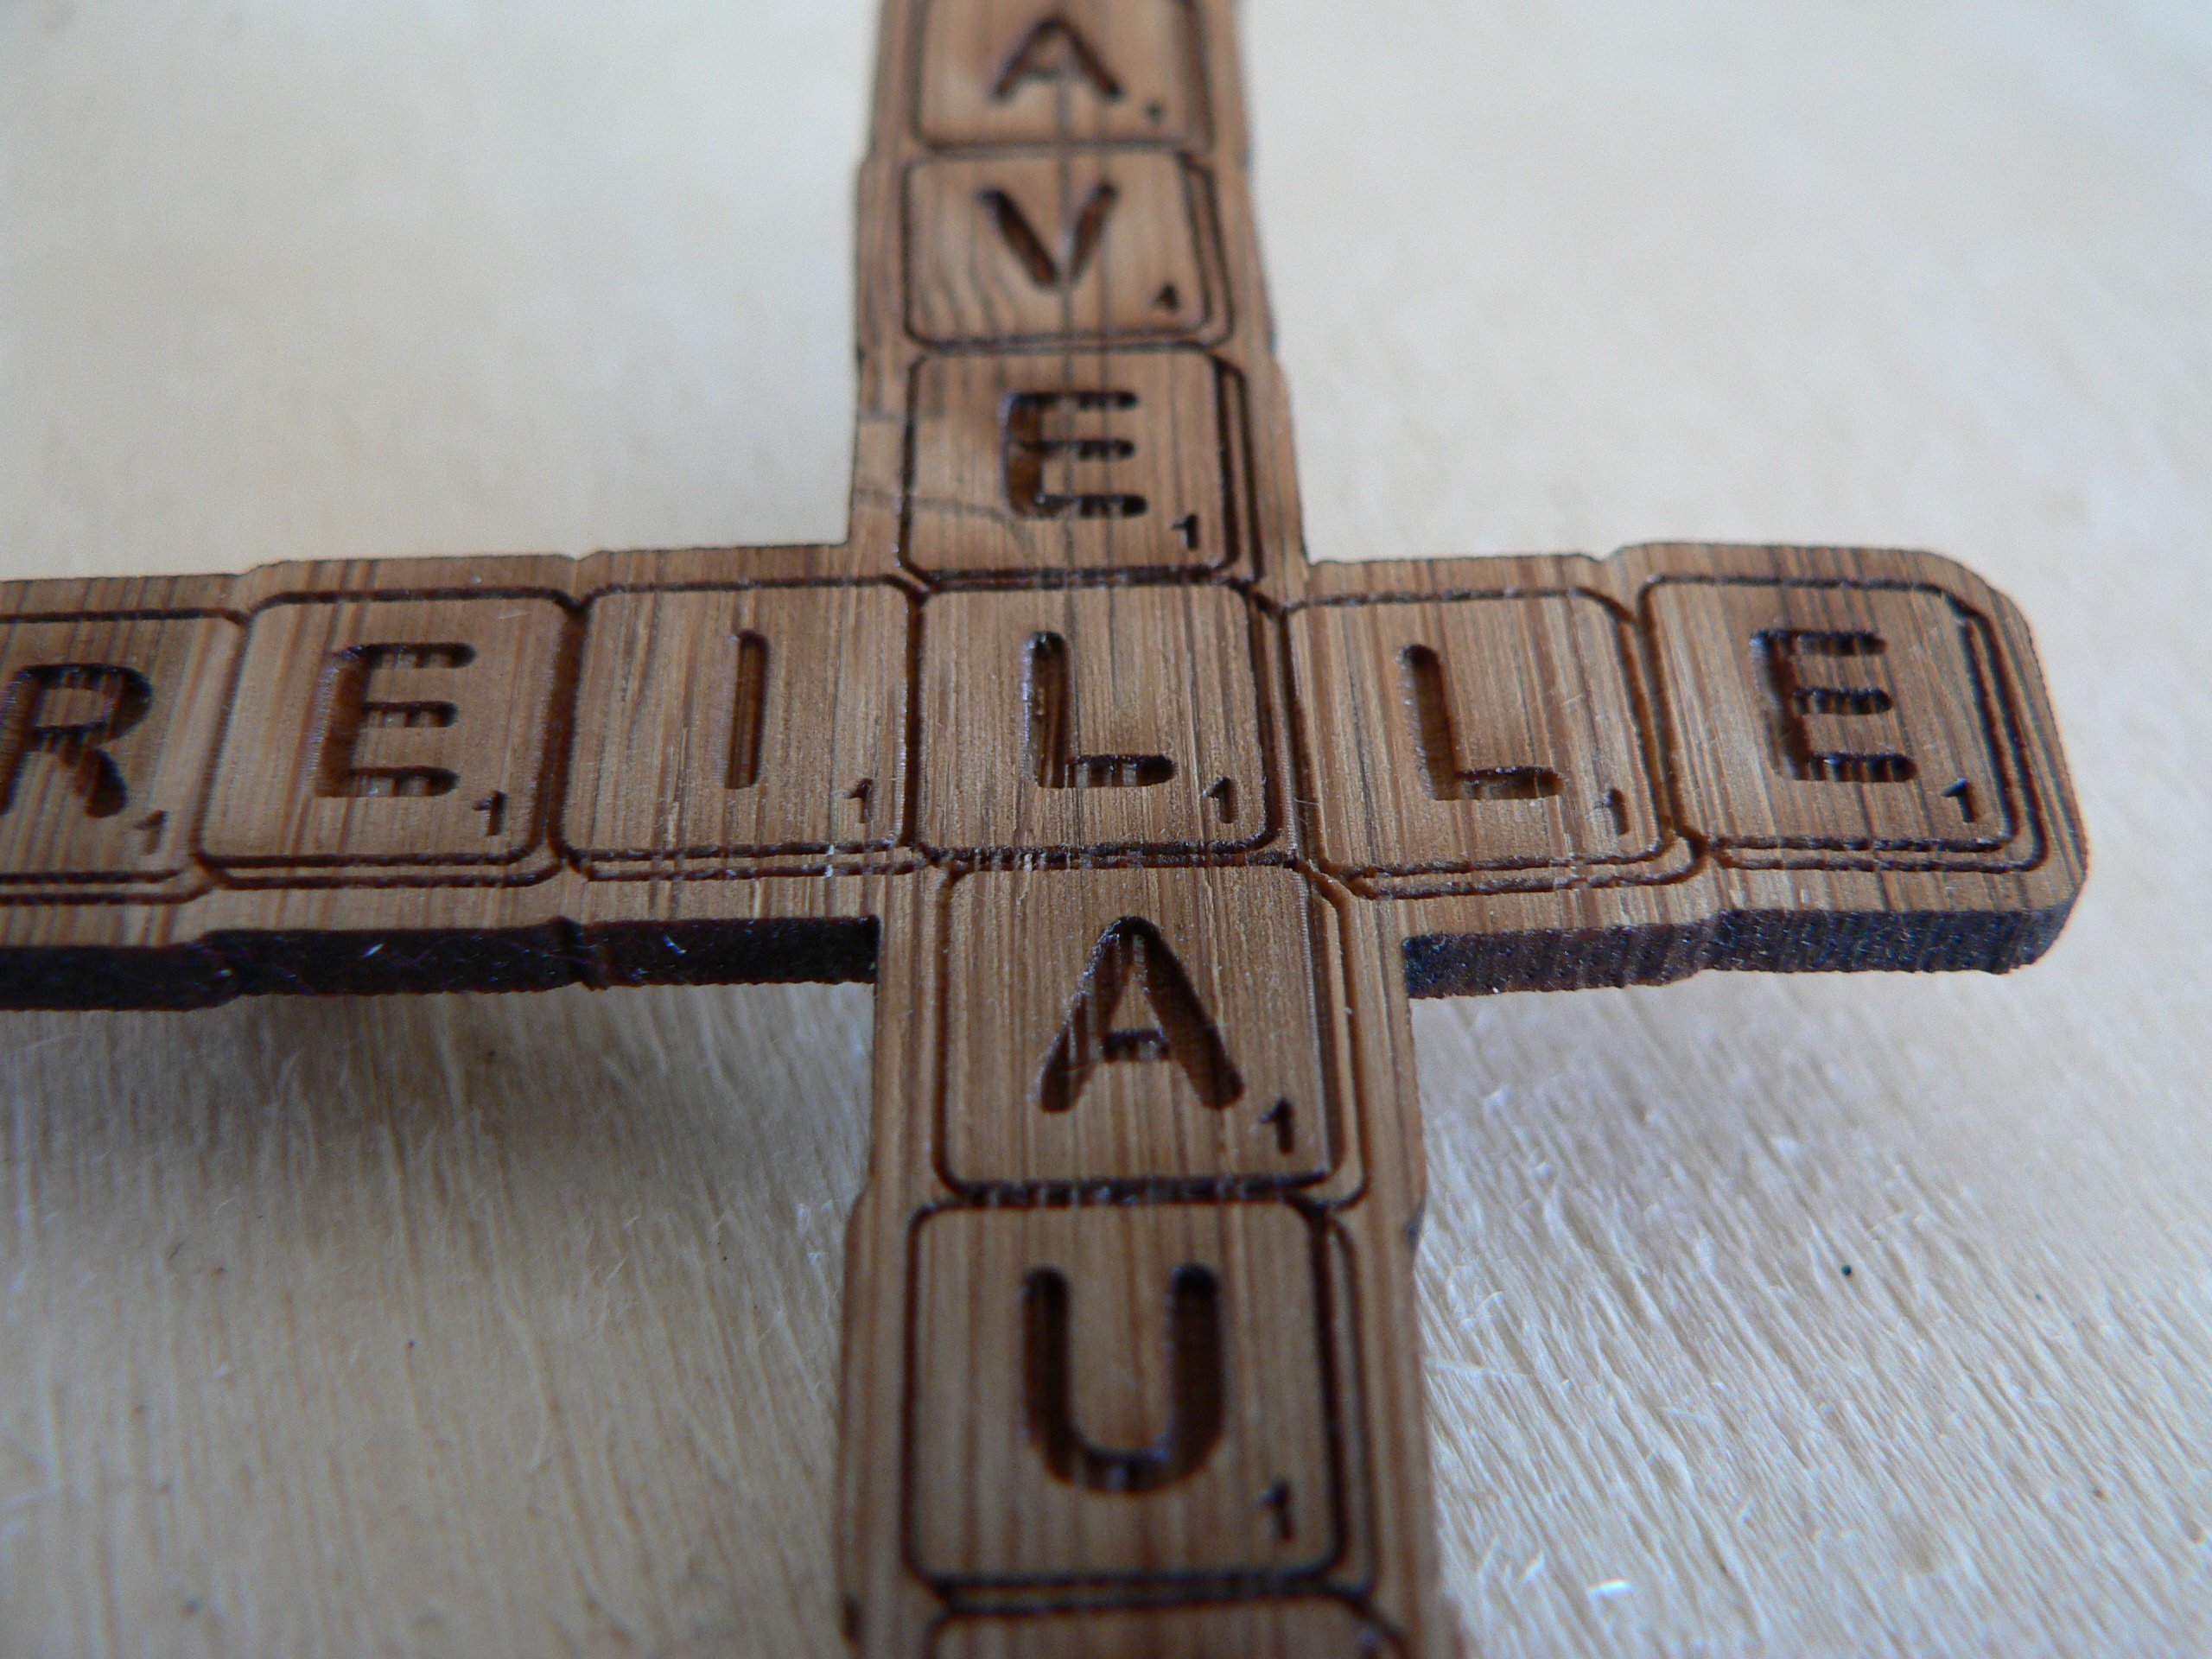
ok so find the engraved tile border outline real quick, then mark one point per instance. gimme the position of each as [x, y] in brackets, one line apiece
[1215, 326]
[1344, 1430]
[558, 752]
[1240, 562]
[193, 875]
[518, 870]
[1325, 939]
[860, 859]
[1371, 1639]
[1196, 140]
[1673, 858]
[1260, 846]
[1993, 691]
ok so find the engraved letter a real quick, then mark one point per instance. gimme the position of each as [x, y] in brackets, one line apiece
[1054, 50]
[1131, 950]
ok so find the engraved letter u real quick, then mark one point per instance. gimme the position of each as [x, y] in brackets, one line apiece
[1195, 1390]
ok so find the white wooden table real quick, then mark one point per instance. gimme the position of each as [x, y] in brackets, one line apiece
[482, 1326]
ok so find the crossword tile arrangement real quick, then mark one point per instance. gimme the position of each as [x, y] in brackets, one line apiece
[1143, 826]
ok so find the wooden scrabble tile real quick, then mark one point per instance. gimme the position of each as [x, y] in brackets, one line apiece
[1071, 461]
[1110, 1393]
[1493, 734]
[1085, 719]
[725, 725]
[1144, 827]
[1024, 72]
[1082, 244]
[107, 726]
[1153, 1025]
[1301, 1628]
[1809, 720]
[382, 739]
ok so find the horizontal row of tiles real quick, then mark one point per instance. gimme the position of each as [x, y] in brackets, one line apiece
[483, 736]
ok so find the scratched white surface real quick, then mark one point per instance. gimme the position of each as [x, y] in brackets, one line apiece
[509, 1325]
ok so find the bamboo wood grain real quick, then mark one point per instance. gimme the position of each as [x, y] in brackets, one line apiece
[1129, 1355]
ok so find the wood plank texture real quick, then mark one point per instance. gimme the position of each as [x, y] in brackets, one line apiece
[1146, 829]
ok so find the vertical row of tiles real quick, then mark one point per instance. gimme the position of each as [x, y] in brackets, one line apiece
[1131, 1394]
[1062, 274]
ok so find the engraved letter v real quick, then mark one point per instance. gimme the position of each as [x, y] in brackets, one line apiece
[1078, 241]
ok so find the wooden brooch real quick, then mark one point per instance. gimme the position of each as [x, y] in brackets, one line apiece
[1144, 828]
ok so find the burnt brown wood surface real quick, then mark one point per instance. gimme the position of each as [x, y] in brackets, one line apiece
[1144, 827]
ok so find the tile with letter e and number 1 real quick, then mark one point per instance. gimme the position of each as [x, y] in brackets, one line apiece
[1075, 460]
[1814, 723]
[392, 739]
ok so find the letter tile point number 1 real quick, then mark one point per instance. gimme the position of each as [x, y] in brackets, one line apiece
[1144, 828]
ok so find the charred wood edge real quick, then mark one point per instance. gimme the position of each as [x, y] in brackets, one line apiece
[309, 962]
[316, 962]
[1449, 964]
